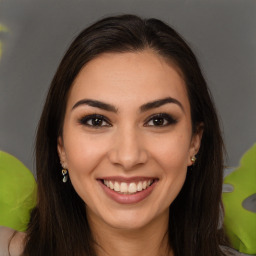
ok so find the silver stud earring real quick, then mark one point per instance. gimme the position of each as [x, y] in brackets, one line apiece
[65, 175]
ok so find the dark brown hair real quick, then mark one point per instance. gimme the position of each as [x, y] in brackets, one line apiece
[58, 224]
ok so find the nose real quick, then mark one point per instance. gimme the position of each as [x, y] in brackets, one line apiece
[128, 149]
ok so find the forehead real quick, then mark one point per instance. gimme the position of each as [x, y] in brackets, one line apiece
[129, 78]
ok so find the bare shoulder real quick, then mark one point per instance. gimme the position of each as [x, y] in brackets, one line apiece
[13, 240]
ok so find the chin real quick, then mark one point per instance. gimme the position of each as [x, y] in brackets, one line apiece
[131, 219]
[129, 224]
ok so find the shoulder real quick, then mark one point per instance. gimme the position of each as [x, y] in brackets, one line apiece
[12, 239]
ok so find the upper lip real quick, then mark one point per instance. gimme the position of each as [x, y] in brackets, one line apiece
[127, 179]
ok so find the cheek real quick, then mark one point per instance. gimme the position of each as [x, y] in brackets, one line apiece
[83, 153]
[172, 157]
[172, 152]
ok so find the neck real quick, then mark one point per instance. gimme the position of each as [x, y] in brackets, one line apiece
[150, 240]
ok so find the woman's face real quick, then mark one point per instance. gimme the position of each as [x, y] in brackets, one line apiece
[127, 138]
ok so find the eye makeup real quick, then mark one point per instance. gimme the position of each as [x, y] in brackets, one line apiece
[160, 120]
[100, 121]
[94, 121]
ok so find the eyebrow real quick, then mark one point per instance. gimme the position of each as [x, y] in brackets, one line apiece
[96, 104]
[143, 108]
[159, 103]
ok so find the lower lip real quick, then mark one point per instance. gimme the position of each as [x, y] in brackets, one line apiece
[128, 198]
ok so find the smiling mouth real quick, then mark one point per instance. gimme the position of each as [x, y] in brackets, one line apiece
[128, 188]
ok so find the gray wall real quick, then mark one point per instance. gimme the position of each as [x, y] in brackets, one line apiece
[221, 32]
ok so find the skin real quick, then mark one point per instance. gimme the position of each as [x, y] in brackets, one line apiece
[128, 144]
[16, 245]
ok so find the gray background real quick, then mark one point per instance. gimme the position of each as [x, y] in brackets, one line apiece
[222, 33]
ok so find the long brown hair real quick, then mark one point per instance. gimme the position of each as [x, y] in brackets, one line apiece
[58, 224]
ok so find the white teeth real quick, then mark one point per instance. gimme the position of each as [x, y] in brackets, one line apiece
[132, 188]
[144, 184]
[116, 187]
[139, 186]
[111, 185]
[124, 187]
[127, 188]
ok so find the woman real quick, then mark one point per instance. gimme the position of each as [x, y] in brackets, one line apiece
[129, 151]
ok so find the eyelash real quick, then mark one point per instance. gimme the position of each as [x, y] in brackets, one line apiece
[84, 121]
[165, 118]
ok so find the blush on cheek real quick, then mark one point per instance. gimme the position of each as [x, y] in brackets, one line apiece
[83, 161]
[174, 160]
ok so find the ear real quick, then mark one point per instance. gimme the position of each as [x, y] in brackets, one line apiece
[195, 142]
[61, 152]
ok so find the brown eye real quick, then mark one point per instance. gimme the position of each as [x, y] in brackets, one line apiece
[159, 120]
[95, 121]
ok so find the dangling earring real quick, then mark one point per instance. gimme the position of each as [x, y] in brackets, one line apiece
[65, 175]
[193, 159]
